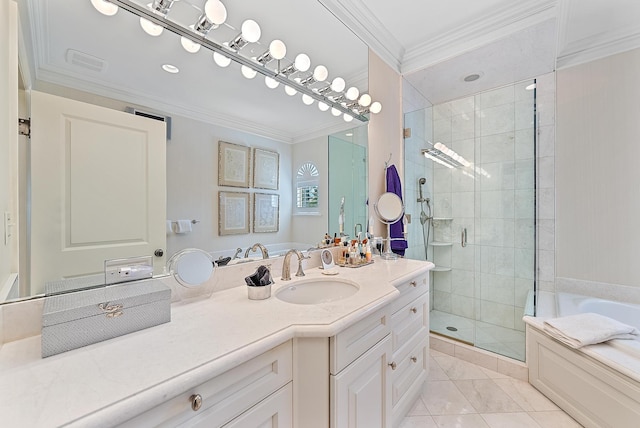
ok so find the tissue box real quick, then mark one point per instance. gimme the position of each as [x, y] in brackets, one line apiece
[74, 320]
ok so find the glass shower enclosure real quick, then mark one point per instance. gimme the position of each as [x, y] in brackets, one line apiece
[471, 196]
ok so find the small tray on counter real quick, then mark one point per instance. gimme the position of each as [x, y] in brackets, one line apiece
[356, 266]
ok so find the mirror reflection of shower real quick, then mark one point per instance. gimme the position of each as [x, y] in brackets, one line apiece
[425, 219]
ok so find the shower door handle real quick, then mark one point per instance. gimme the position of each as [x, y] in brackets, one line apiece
[463, 237]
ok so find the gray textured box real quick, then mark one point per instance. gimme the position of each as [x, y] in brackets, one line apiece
[70, 321]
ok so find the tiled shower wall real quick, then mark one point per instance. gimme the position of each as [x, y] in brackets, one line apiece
[492, 275]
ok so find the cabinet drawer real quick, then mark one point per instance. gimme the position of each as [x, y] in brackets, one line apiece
[409, 321]
[225, 396]
[355, 340]
[413, 367]
[275, 411]
[411, 290]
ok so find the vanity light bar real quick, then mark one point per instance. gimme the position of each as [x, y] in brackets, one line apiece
[161, 20]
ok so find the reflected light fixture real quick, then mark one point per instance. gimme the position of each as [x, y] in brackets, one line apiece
[330, 94]
[277, 50]
[170, 68]
[221, 60]
[105, 7]
[150, 28]
[271, 82]
[250, 34]
[247, 72]
[215, 14]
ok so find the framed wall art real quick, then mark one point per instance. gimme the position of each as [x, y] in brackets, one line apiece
[233, 213]
[265, 169]
[233, 165]
[266, 211]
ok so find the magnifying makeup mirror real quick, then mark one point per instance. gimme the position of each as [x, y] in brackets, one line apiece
[191, 267]
[389, 209]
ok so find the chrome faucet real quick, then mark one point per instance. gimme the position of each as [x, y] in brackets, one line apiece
[238, 251]
[355, 230]
[263, 249]
[286, 264]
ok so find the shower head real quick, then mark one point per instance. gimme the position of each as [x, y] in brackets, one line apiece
[421, 182]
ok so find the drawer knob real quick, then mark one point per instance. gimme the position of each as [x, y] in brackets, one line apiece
[413, 284]
[414, 310]
[393, 365]
[196, 402]
[414, 359]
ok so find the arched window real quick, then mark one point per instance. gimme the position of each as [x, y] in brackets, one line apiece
[307, 180]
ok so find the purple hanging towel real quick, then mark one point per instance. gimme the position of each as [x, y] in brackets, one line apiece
[394, 186]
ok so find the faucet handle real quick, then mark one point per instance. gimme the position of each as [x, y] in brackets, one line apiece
[300, 271]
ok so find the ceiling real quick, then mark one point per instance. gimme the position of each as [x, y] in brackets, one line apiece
[433, 44]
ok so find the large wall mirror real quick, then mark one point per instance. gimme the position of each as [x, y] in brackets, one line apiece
[108, 61]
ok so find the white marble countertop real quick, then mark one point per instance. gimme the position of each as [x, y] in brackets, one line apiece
[110, 382]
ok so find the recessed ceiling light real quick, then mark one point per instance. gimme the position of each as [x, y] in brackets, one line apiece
[472, 77]
[170, 68]
[349, 134]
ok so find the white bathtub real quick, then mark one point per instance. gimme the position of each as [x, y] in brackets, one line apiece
[598, 385]
[570, 304]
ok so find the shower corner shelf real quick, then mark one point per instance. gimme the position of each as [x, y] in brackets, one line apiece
[440, 244]
[441, 269]
[442, 219]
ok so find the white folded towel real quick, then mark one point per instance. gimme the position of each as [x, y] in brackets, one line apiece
[183, 226]
[169, 227]
[588, 329]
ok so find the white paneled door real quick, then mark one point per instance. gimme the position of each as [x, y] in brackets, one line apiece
[97, 188]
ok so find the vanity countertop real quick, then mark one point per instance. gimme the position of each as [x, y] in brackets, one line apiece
[110, 382]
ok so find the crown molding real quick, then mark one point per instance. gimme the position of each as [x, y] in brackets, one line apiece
[356, 16]
[595, 46]
[479, 32]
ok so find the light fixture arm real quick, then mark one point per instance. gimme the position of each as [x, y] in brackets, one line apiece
[163, 21]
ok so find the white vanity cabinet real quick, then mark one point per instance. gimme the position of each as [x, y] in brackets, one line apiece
[410, 344]
[379, 364]
[257, 393]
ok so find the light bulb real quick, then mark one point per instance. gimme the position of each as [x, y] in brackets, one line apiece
[150, 28]
[271, 82]
[320, 73]
[375, 108]
[105, 7]
[335, 112]
[277, 49]
[302, 62]
[352, 93]
[247, 72]
[323, 106]
[365, 100]
[308, 100]
[347, 117]
[189, 45]
[289, 90]
[221, 60]
[250, 31]
[338, 84]
[215, 11]
[170, 68]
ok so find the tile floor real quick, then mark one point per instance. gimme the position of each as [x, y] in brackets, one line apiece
[463, 395]
[493, 338]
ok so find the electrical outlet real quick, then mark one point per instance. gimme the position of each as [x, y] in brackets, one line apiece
[8, 227]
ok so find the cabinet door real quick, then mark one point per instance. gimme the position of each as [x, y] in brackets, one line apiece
[361, 393]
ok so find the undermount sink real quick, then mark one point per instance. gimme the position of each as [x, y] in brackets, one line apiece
[315, 291]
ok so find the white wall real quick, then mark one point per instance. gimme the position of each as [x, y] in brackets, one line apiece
[597, 173]
[385, 129]
[311, 228]
[8, 136]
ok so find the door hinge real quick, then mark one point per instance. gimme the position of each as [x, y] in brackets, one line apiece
[24, 127]
[406, 132]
